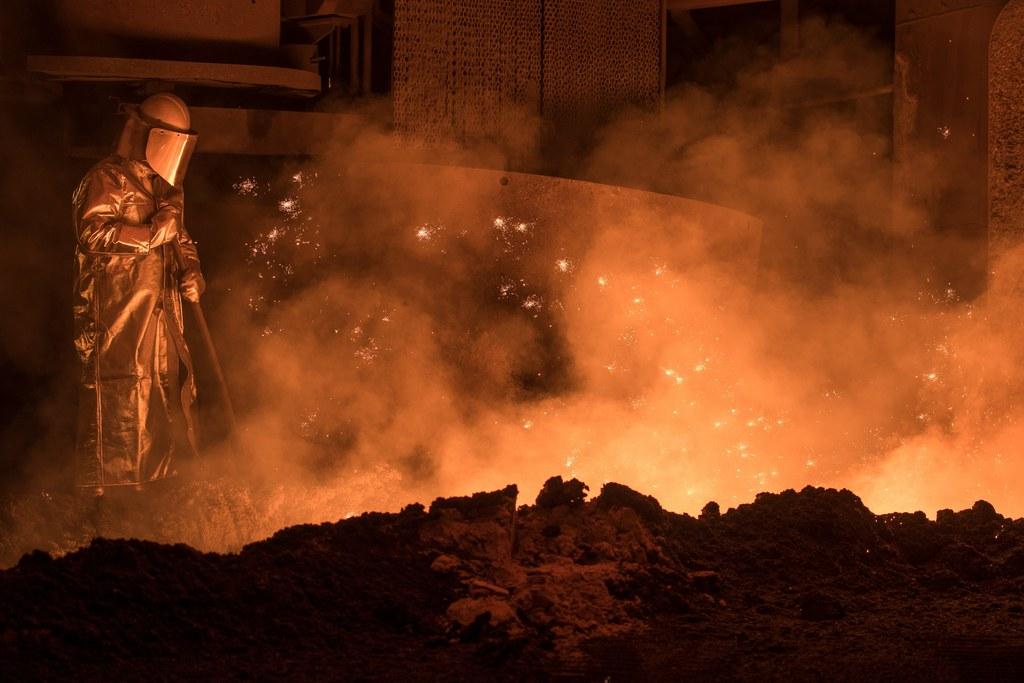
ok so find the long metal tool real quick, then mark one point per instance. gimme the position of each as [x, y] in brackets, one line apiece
[211, 352]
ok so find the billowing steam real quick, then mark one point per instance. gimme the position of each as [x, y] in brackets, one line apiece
[424, 333]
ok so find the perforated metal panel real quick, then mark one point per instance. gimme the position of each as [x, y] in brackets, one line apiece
[599, 54]
[469, 68]
[465, 67]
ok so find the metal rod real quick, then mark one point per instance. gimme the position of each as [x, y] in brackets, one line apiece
[218, 372]
[211, 352]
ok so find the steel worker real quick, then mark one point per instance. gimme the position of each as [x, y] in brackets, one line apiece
[134, 261]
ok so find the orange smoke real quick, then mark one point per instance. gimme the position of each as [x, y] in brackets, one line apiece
[395, 326]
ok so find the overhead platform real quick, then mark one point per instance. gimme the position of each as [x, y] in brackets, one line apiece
[257, 132]
[276, 80]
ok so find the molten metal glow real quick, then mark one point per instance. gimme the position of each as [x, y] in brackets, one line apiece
[668, 389]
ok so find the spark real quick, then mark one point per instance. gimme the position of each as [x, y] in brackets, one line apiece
[368, 352]
[289, 206]
[533, 303]
[247, 187]
[602, 281]
[426, 232]
[563, 265]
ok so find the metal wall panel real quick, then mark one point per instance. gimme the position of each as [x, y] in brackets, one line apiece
[464, 67]
[1006, 131]
[472, 68]
[599, 54]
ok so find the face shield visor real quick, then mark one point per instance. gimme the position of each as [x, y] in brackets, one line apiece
[168, 153]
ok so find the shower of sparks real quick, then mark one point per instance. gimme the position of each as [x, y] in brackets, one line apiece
[263, 243]
[563, 265]
[257, 303]
[247, 187]
[533, 303]
[289, 206]
[368, 352]
[514, 234]
[428, 231]
[277, 252]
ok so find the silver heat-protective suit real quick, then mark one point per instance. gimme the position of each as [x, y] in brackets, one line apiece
[137, 389]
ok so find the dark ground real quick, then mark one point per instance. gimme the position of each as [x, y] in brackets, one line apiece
[805, 585]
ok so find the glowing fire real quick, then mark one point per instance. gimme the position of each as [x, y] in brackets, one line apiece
[670, 390]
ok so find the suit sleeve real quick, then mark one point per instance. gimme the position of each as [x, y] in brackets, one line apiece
[172, 207]
[97, 207]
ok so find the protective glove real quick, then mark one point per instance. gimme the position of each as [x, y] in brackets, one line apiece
[165, 226]
[192, 284]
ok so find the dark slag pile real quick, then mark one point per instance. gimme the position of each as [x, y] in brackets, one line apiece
[804, 585]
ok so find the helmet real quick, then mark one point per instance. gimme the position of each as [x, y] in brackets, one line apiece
[167, 111]
[159, 131]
